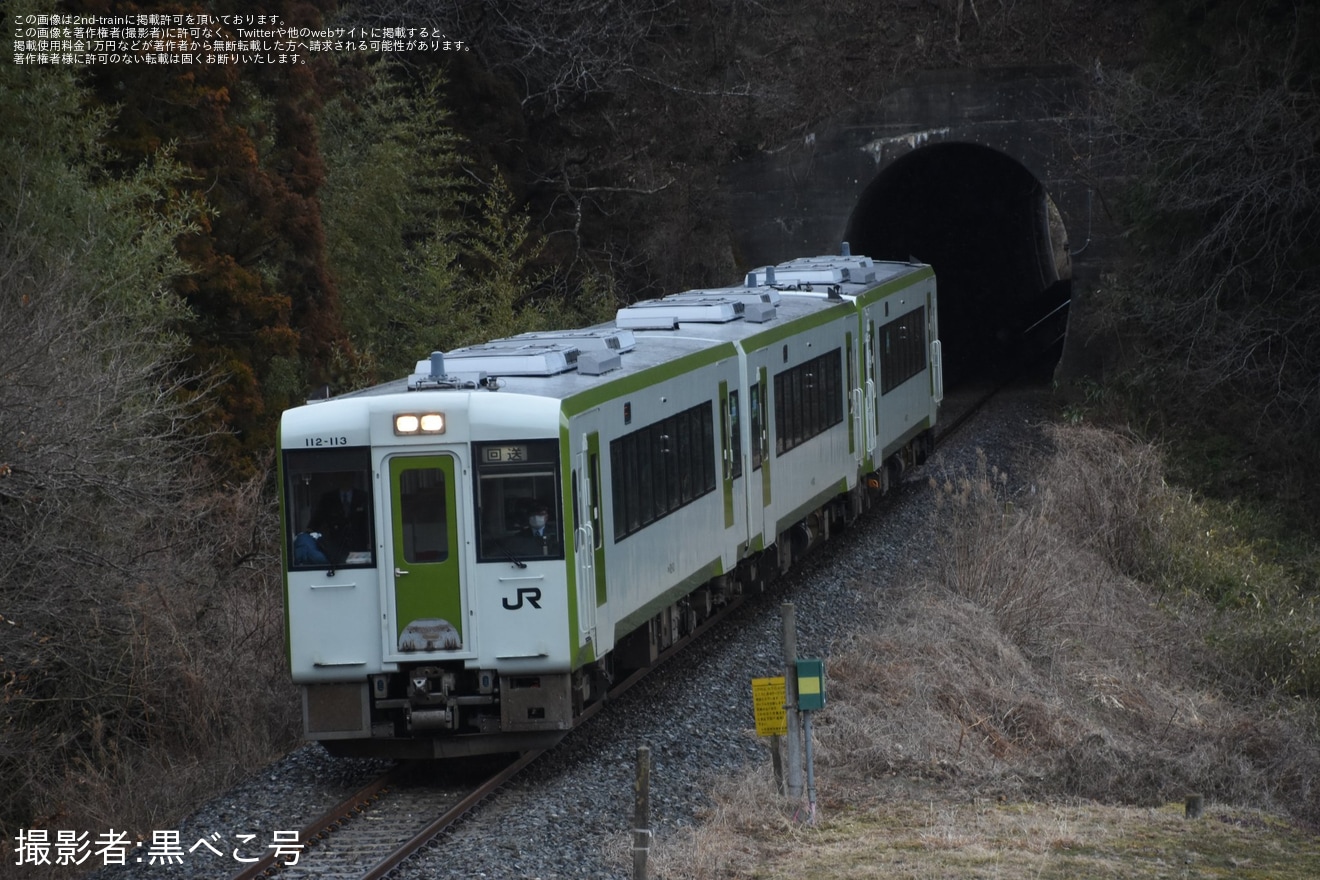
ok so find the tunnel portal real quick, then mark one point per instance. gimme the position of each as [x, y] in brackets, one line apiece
[996, 242]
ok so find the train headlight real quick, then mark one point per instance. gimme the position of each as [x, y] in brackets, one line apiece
[419, 423]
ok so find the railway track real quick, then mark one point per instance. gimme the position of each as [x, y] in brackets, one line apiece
[1043, 342]
[959, 407]
[369, 833]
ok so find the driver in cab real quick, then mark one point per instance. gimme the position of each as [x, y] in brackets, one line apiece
[538, 537]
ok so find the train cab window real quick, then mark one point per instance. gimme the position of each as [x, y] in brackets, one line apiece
[329, 508]
[518, 500]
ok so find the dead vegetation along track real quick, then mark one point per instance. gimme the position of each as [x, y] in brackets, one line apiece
[1025, 663]
[350, 808]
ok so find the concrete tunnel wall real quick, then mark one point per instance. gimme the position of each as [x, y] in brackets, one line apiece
[987, 227]
[979, 173]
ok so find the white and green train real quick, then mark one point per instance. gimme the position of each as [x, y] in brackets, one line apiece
[473, 553]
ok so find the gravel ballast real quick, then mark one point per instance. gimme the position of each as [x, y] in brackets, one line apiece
[570, 814]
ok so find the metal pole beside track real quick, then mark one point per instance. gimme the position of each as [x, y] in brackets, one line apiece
[642, 813]
[811, 772]
[791, 702]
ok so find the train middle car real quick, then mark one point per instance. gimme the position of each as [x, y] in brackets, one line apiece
[473, 554]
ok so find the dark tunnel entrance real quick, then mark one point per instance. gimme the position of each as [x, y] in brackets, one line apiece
[996, 242]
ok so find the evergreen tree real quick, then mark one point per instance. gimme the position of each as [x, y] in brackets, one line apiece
[427, 255]
[263, 310]
[94, 444]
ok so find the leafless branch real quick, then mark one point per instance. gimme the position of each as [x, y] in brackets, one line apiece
[1230, 186]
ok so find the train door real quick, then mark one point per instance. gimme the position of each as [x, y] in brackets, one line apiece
[936, 352]
[856, 416]
[588, 537]
[424, 565]
[872, 400]
[730, 448]
[758, 482]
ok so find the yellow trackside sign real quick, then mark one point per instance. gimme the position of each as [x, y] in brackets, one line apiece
[768, 705]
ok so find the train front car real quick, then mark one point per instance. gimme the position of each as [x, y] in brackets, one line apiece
[471, 562]
[395, 504]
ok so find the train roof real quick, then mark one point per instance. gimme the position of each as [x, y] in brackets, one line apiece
[696, 323]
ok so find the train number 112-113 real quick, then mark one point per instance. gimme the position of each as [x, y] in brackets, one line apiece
[326, 441]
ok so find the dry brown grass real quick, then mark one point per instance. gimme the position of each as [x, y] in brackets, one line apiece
[911, 838]
[1028, 663]
[175, 682]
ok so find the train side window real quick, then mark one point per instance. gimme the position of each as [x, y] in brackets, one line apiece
[779, 414]
[618, 474]
[735, 427]
[725, 446]
[808, 400]
[902, 349]
[661, 467]
[673, 465]
[329, 508]
[757, 403]
[660, 461]
[685, 458]
[631, 482]
[817, 393]
[832, 367]
[707, 447]
[794, 407]
[645, 477]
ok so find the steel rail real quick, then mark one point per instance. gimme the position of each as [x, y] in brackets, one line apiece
[318, 829]
[451, 816]
[357, 803]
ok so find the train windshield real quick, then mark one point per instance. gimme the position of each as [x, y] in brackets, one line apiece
[518, 501]
[329, 508]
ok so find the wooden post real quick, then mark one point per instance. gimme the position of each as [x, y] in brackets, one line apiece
[777, 761]
[1194, 806]
[642, 813]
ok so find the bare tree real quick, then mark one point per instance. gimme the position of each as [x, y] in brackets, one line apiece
[560, 53]
[138, 600]
[1225, 203]
[132, 590]
[620, 118]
